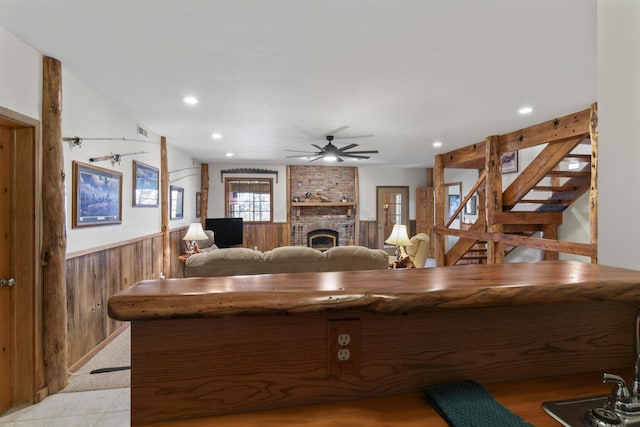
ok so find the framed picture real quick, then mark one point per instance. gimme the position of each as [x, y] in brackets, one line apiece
[471, 207]
[177, 202]
[509, 160]
[145, 185]
[97, 196]
[454, 202]
[198, 204]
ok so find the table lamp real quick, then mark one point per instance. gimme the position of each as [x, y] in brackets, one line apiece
[195, 232]
[399, 238]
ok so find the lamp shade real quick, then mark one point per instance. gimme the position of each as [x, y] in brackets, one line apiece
[195, 232]
[398, 236]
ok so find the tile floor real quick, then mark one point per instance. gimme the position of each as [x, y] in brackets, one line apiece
[99, 408]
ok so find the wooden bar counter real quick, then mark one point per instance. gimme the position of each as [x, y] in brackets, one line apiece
[213, 346]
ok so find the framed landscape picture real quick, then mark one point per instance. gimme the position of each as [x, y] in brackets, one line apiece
[176, 202]
[97, 196]
[145, 185]
[509, 161]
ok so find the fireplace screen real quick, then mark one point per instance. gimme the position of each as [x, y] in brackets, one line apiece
[322, 239]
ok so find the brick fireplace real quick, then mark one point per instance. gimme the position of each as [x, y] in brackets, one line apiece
[314, 217]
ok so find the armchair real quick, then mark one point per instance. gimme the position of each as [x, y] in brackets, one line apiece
[417, 251]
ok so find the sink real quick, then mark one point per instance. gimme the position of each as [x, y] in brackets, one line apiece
[570, 412]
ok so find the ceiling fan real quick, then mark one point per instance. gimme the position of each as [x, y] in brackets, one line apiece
[332, 153]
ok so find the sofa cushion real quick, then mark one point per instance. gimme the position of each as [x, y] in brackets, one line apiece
[293, 259]
[208, 244]
[227, 262]
[351, 258]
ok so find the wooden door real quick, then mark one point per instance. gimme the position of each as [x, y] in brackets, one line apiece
[5, 270]
[424, 215]
[392, 208]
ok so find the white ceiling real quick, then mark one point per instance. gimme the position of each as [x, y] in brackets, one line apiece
[271, 73]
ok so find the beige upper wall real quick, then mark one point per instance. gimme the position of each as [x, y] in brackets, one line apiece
[619, 143]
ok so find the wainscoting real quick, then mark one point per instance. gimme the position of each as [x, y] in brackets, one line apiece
[369, 232]
[92, 277]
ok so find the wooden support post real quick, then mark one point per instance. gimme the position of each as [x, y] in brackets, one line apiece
[550, 231]
[495, 250]
[54, 237]
[593, 189]
[204, 193]
[439, 247]
[164, 203]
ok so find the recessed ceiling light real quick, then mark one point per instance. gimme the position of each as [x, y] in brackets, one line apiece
[437, 144]
[190, 100]
[525, 110]
[216, 135]
[229, 154]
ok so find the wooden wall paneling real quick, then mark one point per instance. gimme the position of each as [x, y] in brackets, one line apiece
[204, 192]
[499, 343]
[164, 206]
[91, 280]
[368, 234]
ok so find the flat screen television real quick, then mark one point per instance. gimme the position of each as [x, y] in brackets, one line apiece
[227, 232]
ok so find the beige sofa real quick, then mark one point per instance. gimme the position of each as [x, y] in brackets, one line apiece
[285, 259]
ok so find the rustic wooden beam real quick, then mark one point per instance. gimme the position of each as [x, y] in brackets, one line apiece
[593, 189]
[204, 192]
[550, 231]
[54, 237]
[493, 202]
[439, 210]
[574, 126]
[528, 217]
[469, 157]
[164, 206]
[583, 249]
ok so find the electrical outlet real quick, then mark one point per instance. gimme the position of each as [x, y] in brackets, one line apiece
[344, 339]
[343, 346]
[344, 354]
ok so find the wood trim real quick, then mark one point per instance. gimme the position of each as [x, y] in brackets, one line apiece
[164, 205]
[93, 250]
[593, 188]
[204, 192]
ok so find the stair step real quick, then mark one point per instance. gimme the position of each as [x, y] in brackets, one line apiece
[546, 201]
[554, 188]
[583, 157]
[569, 174]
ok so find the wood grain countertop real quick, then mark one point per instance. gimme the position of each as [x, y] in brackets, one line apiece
[522, 397]
[380, 291]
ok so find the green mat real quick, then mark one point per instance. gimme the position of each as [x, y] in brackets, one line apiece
[468, 404]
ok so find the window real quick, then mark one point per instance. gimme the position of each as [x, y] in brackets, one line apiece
[249, 198]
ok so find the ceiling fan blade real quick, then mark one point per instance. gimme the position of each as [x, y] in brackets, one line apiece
[354, 156]
[354, 136]
[301, 151]
[363, 152]
[339, 159]
[340, 129]
[319, 148]
[347, 147]
[315, 158]
[304, 156]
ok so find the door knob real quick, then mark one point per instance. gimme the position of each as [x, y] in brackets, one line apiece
[7, 282]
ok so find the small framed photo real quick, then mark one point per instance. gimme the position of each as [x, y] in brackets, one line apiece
[471, 207]
[176, 202]
[454, 202]
[509, 161]
[198, 204]
[145, 185]
[97, 196]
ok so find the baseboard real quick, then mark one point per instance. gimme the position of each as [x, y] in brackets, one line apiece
[84, 359]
